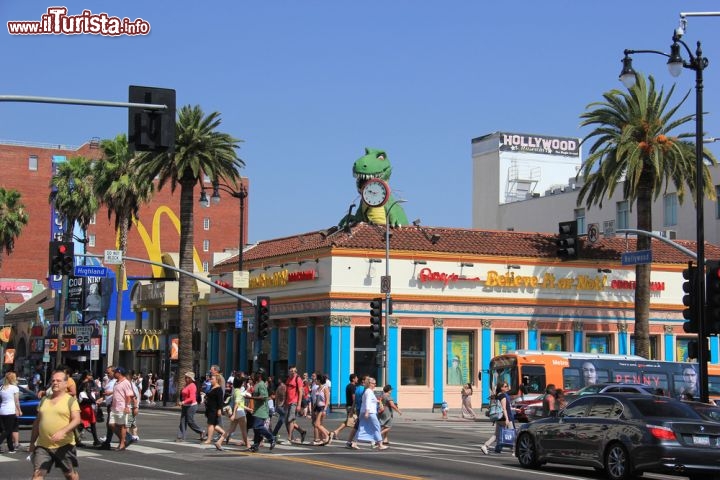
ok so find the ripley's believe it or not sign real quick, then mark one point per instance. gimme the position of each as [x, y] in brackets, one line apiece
[547, 281]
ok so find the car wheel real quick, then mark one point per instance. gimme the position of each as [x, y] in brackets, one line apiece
[617, 462]
[526, 451]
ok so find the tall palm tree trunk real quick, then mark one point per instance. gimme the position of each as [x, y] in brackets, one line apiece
[119, 286]
[642, 272]
[185, 288]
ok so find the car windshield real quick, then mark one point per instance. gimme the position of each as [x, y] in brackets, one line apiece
[659, 408]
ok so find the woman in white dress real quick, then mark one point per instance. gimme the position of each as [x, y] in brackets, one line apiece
[369, 426]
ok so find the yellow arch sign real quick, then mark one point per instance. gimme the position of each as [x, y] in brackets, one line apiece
[152, 241]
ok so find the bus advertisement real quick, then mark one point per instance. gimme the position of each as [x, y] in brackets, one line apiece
[528, 372]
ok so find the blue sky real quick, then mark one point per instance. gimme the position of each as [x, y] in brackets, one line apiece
[308, 84]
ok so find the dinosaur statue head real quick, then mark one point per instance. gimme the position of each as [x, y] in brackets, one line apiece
[374, 164]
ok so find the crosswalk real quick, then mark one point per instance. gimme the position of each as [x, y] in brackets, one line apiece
[164, 446]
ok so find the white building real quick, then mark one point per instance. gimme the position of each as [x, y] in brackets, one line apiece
[528, 182]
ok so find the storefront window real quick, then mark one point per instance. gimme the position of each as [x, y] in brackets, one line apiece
[365, 352]
[460, 357]
[413, 357]
[506, 342]
[653, 347]
[551, 342]
[681, 349]
[597, 344]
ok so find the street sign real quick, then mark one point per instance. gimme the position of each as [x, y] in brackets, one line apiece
[636, 258]
[238, 319]
[90, 271]
[385, 284]
[609, 228]
[113, 257]
[593, 233]
[83, 333]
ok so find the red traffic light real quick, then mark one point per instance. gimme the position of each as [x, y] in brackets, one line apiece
[62, 248]
[264, 302]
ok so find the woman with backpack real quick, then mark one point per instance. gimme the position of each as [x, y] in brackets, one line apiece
[502, 397]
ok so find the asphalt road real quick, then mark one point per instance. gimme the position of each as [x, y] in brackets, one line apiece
[422, 446]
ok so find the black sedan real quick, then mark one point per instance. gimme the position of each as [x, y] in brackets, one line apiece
[28, 405]
[624, 434]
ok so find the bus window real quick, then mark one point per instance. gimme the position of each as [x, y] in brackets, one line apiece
[714, 386]
[658, 380]
[534, 379]
[504, 374]
[572, 379]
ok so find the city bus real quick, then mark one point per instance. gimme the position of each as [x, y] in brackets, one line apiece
[572, 371]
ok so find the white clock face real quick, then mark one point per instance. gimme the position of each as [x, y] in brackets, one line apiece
[375, 192]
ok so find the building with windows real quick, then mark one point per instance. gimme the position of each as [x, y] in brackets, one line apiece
[459, 298]
[154, 235]
[529, 182]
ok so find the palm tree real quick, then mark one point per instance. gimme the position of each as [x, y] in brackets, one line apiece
[121, 188]
[13, 218]
[73, 194]
[634, 149]
[200, 150]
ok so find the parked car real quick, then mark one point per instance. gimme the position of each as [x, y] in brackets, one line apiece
[624, 434]
[29, 402]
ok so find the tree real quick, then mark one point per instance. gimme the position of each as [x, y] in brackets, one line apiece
[633, 149]
[200, 151]
[73, 195]
[12, 219]
[123, 190]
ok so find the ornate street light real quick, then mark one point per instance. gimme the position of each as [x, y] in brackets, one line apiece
[241, 194]
[697, 63]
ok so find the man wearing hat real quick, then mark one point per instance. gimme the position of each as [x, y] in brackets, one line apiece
[188, 402]
[261, 412]
[124, 402]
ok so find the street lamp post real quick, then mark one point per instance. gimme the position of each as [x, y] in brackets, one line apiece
[241, 194]
[698, 63]
[386, 330]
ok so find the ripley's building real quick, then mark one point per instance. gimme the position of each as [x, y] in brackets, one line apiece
[456, 294]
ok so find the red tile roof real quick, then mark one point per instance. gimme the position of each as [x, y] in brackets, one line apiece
[451, 241]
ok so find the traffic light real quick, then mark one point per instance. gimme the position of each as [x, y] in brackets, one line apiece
[712, 289]
[690, 299]
[151, 130]
[62, 258]
[376, 318]
[263, 316]
[568, 244]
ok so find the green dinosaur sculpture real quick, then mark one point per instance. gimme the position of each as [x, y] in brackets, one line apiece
[375, 164]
